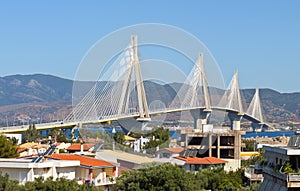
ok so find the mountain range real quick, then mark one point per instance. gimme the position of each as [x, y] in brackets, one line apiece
[41, 98]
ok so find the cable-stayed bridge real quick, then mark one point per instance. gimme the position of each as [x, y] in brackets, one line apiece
[123, 96]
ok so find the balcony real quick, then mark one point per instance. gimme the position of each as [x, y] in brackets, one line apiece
[293, 177]
[105, 181]
[290, 180]
[253, 176]
[99, 182]
[275, 173]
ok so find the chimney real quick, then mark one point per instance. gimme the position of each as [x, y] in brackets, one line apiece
[81, 147]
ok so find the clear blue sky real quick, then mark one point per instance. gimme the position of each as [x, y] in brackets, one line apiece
[259, 38]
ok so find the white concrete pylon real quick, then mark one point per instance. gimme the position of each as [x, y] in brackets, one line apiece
[232, 96]
[254, 108]
[204, 83]
[142, 101]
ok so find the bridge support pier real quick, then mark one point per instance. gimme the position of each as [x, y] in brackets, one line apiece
[235, 121]
[256, 126]
[201, 117]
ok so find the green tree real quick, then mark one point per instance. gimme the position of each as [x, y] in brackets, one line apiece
[58, 135]
[260, 159]
[7, 184]
[119, 137]
[8, 148]
[39, 184]
[160, 177]
[32, 134]
[161, 138]
[61, 184]
[287, 168]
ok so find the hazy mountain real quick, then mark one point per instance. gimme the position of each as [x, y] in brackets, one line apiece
[34, 88]
[33, 97]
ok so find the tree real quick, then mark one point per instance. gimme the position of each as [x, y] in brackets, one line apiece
[8, 184]
[119, 137]
[159, 177]
[249, 144]
[32, 134]
[8, 148]
[287, 168]
[60, 184]
[39, 184]
[58, 135]
[259, 159]
[161, 135]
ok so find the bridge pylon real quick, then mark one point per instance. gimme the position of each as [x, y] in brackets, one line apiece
[258, 126]
[201, 116]
[134, 66]
[232, 101]
[142, 101]
[235, 120]
[255, 110]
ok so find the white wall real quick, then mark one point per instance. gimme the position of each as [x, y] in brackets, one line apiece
[66, 172]
[20, 175]
[17, 136]
[232, 165]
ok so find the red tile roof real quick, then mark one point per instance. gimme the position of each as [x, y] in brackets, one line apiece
[205, 160]
[174, 150]
[93, 140]
[21, 149]
[76, 147]
[84, 161]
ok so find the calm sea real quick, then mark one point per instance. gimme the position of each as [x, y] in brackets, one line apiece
[174, 135]
[269, 134]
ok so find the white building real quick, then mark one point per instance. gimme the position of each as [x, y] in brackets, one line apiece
[17, 136]
[140, 144]
[25, 170]
[282, 171]
[84, 170]
[91, 171]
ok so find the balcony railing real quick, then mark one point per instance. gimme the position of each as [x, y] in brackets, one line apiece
[99, 182]
[105, 181]
[253, 176]
[273, 172]
[293, 177]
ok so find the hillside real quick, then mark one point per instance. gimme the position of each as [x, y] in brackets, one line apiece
[40, 97]
[18, 89]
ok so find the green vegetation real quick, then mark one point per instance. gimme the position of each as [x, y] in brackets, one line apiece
[162, 177]
[40, 184]
[32, 134]
[119, 137]
[261, 160]
[171, 177]
[287, 168]
[8, 147]
[161, 135]
[250, 144]
[106, 138]
[59, 136]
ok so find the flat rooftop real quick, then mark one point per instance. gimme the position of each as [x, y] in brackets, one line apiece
[286, 150]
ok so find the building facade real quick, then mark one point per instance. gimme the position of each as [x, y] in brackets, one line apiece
[220, 143]
[282, 171]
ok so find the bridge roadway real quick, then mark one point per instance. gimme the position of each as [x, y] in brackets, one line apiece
[72, 124]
